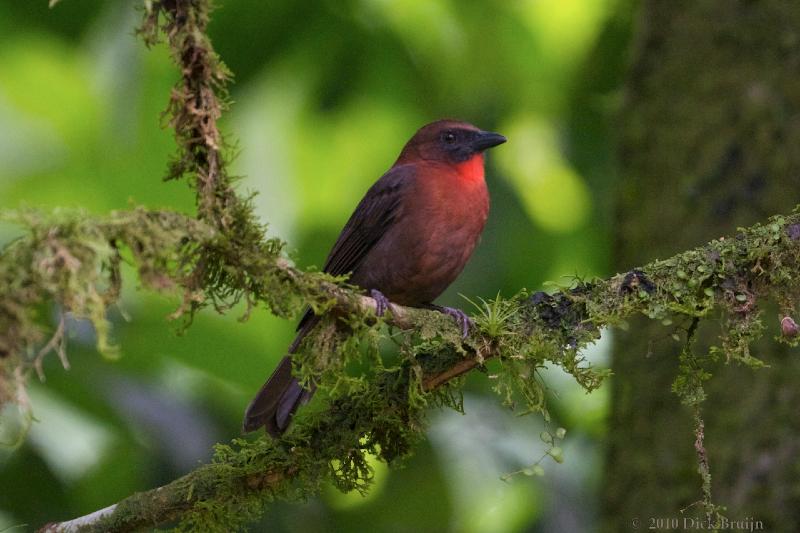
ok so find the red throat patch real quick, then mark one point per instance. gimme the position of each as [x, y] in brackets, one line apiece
[471, 170]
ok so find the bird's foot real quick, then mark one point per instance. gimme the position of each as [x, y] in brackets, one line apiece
[382, 303]
[464, 322]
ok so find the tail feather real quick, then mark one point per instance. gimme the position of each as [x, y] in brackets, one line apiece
[278, 399]
[276, 402]
[294, 397]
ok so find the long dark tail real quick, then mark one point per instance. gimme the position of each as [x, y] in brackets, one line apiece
[278, 399]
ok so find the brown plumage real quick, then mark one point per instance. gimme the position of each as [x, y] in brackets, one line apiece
[407, 240]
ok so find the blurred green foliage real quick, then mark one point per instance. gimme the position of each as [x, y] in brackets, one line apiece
[326, 94]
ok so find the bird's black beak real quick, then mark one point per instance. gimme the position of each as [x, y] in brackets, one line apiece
[487, 139]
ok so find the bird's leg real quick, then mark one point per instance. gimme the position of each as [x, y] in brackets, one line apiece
[460, 316]
[382, 303]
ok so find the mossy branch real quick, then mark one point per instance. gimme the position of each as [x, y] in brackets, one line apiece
[383, 413]
[196, 103]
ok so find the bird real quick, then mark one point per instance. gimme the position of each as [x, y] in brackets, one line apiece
[407, 240]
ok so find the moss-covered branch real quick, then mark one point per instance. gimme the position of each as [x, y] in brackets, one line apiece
[383, 413]
[196, 103]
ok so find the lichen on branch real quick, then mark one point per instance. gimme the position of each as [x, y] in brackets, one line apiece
[72, 261]
[196, 103]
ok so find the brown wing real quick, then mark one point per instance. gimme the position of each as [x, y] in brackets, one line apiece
[373, 216]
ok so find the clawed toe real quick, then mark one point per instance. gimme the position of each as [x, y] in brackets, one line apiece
[381, 302]
[464, 321]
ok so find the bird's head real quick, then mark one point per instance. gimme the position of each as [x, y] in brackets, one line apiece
[449, 141]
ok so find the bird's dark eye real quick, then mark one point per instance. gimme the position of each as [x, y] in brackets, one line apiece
[449, 138]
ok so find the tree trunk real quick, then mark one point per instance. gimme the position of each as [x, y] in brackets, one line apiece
[709, 140]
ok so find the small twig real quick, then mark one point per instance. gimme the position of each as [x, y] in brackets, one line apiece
[56, 343]
[458, 369]
[692, 394]
[77, 524]
[705, 472]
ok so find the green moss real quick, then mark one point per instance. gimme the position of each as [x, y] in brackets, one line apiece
[380, 408]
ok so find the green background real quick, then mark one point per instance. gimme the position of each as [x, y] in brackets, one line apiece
[325, 95]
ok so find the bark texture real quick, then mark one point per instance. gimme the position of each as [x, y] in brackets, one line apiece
[709, 138]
